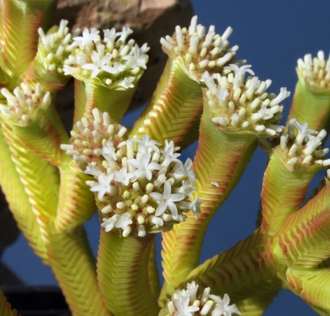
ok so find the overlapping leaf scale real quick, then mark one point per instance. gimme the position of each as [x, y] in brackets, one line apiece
[20, 35]
[175, 106]
[122, 271]
[74, 267]
[221, 158]
[313, 286]
[40, 179]
[5, 307]
[44, 136]
[92, 94]
[19, 202]
[153, 272]
[239, 271]
[304, 237]
[282, 192]
[76, 201]
[256, 305]
[314, 109]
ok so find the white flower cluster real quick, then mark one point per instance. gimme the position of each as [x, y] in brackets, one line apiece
[142, 189]
[302, 148]
[188, 303]
[113, 61]
[139, 188]
[315, 71]
[237, 104]
[90, 135]
[54, 47]
[23, 104]
[200, 51]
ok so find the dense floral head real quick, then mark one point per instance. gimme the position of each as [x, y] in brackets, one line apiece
[315, 72]
[110, 60]
[54, 47]
[238, 104]
[189, 303]
[302, 147]
[198, 50]
[24, 103]
[138, 187]
[90, 135]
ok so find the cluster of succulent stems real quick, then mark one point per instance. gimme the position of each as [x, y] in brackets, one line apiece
[134, 178]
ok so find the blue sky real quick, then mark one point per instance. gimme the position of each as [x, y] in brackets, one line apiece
[271, 35]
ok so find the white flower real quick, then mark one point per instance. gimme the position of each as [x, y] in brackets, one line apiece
[187, 188]
[183, 308]
[170, 153]
[223, 308]
[108, 151]
[239, 71]
[143, 167]
[138, 59]
[127, 82]
[98, 64]
[103, 186]
[126, 31]
[124, 221]
[192, 290]
[166, 200]
[303, 132]
[145, 144]
[193, 206]
[222, 94]
[109, 223]
[123, 176]
[110, 35]
[92, 170]
[87, 37]
[185, 171]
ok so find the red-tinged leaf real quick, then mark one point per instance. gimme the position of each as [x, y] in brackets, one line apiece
[5, 308]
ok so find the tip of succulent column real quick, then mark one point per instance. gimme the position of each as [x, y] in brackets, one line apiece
[199, 50]
[140, 187]
[315, 72]
[238, 104]
[302, 147]
[111, 59]
[23, 103]
[192, 301]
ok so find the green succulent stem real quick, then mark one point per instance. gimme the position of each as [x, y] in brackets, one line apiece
[50, 81]
[76, 202]
[310, 107]
[91, 94]
[242, 271]
[283, 191]
[20, 37]
[220, 161]
[122, 269]
[44, 135]
[5, 308]
[40, 179]
[73, 264]
[174, 107]
[19, 203]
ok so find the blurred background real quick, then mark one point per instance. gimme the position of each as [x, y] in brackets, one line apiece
[271, 35]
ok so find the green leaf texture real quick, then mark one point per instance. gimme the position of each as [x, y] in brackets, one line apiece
[74, 267]
[221, 158]
[19, 203]
[122, 271]
[76, 201]
[174, 107]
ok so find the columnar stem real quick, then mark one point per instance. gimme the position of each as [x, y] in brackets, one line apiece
[74, 267]
[122, 268]
[174, 107]
[219, 163]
